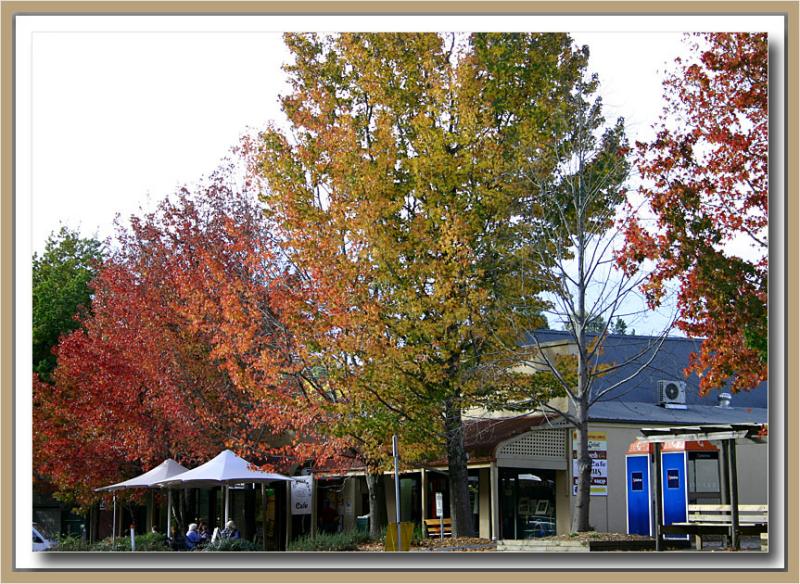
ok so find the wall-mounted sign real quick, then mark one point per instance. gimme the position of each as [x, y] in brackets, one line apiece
[301, 496]
[598, 451]
[439, 505]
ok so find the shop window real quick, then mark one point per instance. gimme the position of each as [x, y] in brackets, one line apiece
[703, 475]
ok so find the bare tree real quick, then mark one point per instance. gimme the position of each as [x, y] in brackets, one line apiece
[572, 227]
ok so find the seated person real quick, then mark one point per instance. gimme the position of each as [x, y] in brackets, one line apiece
[202, 529]
[329, 518]
[176, 541]
[230, 531]
[192, 537]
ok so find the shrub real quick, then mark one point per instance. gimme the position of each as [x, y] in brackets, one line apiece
[417, 537]
[150, 542]
[344, 541]
[70, 543]
[224, 544]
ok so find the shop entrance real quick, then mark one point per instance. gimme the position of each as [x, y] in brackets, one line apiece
[527, 503]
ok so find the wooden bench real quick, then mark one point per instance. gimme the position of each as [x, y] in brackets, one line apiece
[433, 527]
[718, 520]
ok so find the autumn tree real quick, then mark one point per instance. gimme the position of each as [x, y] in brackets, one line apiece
[576, 207]
[183, 354]
[61, 293]
[705, 180]
[392, 198]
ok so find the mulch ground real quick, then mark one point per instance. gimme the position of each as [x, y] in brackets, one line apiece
[477, 544]
[448, 544]
[587, 536]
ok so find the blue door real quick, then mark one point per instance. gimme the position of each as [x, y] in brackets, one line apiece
[638, 492]
[673, 483]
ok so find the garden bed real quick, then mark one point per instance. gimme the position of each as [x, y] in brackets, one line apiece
[432, 544]
[589, 541]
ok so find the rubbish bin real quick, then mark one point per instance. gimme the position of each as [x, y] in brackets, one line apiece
[362, 523]
[406, 531]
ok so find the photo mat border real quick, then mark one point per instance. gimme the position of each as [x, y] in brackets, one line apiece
[790, 330]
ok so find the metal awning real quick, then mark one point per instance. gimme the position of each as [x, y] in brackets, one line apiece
[754, 432]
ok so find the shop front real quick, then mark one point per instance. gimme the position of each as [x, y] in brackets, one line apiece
[527, 503]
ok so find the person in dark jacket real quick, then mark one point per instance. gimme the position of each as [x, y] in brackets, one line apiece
[230, 531]
[202, 529]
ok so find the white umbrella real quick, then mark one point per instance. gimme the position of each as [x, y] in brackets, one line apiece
[167, 469]
[224, 469]
[164, 471]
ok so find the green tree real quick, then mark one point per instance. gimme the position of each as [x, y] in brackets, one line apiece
[596, 325]
[620, 327]
[61, 291]
[395, 199]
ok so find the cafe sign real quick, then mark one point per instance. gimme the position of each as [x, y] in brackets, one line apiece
[598, 451]
[301, 495]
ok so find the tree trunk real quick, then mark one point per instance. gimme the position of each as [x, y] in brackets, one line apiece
[580, 519]
[460, 512]
[377, 504]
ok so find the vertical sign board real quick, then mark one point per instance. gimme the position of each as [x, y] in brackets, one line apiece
[637, 471]
[301, 496]
[674, 497]
[598, 451]
[440, 513]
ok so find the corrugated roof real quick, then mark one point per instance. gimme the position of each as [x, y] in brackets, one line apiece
[668, 364]
[482, 436]
[620, 411]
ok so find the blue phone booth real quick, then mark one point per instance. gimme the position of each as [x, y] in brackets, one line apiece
[689, 474]
[637, 471]
[674, 488]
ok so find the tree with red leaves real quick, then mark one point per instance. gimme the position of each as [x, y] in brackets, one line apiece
[705, 180]
[184, 354]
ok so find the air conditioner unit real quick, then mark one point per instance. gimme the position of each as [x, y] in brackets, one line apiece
[672, 394]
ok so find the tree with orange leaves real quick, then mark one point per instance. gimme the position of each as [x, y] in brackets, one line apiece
[183, 354]
[705, 180]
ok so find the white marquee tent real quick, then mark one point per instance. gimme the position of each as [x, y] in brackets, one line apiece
[164, 471]
[224, 469]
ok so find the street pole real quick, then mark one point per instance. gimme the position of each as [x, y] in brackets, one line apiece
[396, 456]
[169, 512]
[114, 522]
[227, 503]
[659, 511]
[734, 498]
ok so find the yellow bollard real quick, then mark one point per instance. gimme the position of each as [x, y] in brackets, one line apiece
[406, 531]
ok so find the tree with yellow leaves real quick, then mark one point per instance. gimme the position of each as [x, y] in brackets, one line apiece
[395, 198]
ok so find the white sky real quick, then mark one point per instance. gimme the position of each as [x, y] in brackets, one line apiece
[121, 119]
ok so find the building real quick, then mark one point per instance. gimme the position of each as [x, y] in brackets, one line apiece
[520, 466]
[521, 477]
